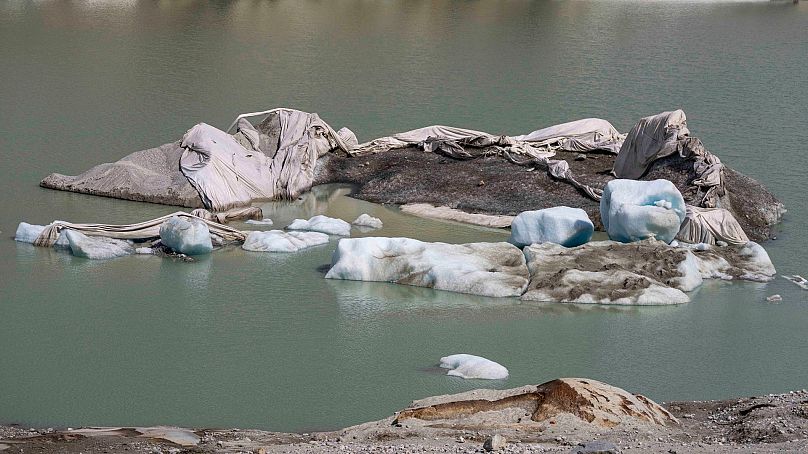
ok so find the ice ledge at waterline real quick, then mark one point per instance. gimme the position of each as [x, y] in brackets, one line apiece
[647, 272]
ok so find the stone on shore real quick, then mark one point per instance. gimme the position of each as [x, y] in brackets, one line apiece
[589, 401]
[96, 247]
[488, 269]
[494, 443]
[562, 225]
[186, 236]
[636, 210]
[323, 224]
[280, 241]
[471, 366]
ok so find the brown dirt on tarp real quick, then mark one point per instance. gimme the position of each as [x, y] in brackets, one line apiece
[492, 185]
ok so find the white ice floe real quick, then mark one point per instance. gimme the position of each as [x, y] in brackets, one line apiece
[324, 224]
[470, 366]
[144, 251]
[488, 269]
[280, 241]
[562, 225]
[799, 280]
[366, 220]
[96, 247]
[265, 221]
[186, 236]
[758, 265]
[634, 210]
[28, 233]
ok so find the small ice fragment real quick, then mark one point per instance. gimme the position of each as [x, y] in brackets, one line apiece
[265, 221]
[774, 298]
[470, 366]
[799, 280]
[366, 220]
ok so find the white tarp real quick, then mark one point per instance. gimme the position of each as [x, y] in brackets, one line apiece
[583, 135]
[652, 138]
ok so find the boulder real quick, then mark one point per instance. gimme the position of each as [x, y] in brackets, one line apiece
[366, 220]
[590, 401]
[186, 235]
[280, 241]
[488, 269]
[561, 225]
[494, 443]
[324, 224]
[96, 247]
[636, 210]
[470, 366]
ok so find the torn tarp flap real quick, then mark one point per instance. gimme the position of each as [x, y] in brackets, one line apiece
[651, 138]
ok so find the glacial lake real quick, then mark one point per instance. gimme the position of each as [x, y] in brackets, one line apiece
[242, 339]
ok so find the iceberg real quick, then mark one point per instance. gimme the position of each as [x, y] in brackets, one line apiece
[487, 269]
[188, 236]
[636, 210]
[323, 224]
[470, 366]
[366, 220]
[280, 241]
[28, 233]
[562, 225]
[97, 248]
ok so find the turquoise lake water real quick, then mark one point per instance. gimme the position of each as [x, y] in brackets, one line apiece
[244, 339]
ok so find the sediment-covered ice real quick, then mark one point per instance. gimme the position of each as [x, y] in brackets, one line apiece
[28, 233]
[488, 269]
[470, 366]
[748, 262]
[186, 235]
[636, 210]
[562, 225]
[96, 247]
[280, 241]
[324, 224]
[366, 220]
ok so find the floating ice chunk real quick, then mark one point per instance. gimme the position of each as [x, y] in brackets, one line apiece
[799, 280]
[366, 220]
[635, 210]
[489, 269]
[265, 221]
[470, 366]
[562, 225]
[186, 236]
[324, 224]
[96, 247]
[774, 298]
[144, 251]
[759, 266]
[280, 241]
[28, 233]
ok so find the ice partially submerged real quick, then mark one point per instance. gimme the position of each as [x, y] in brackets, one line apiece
[562, 225]
[488, 269]
[470, 366]
[188, 236]
[265, 221]
[280, 241]
[636, 210]
[96, 247]
[366, 220]
[323, 224]
[28, 233]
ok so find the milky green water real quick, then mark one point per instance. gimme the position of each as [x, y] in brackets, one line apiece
[262, 340]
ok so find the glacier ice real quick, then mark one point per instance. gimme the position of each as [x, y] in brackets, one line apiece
[28, 233]
[280, 241]
[96, 247]
[562, 225]
[265, 221]
[186, 236]
[471, 366]
[488, 269]
[324, 224]
[634, 210]
[366, 220]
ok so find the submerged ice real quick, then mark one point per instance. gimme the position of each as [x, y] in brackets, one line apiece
[323, 224]
[186, 235]
[280, 241]
[471, 366]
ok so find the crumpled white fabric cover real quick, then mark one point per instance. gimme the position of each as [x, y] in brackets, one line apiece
[651, 138]
[709, 225]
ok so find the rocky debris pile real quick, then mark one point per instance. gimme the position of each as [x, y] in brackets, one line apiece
[488, 269]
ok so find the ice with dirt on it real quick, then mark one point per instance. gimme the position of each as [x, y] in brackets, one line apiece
[28, 233]
[366, 220]
[280, 241]
[758, 266]
[488, 269]
[562, 225]
[470, 366]
[323, 224]
[265, 221]
[186, 236]
[634, 210]
[97, 247]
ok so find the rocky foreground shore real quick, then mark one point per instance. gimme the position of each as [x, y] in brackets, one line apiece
[566, 415]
